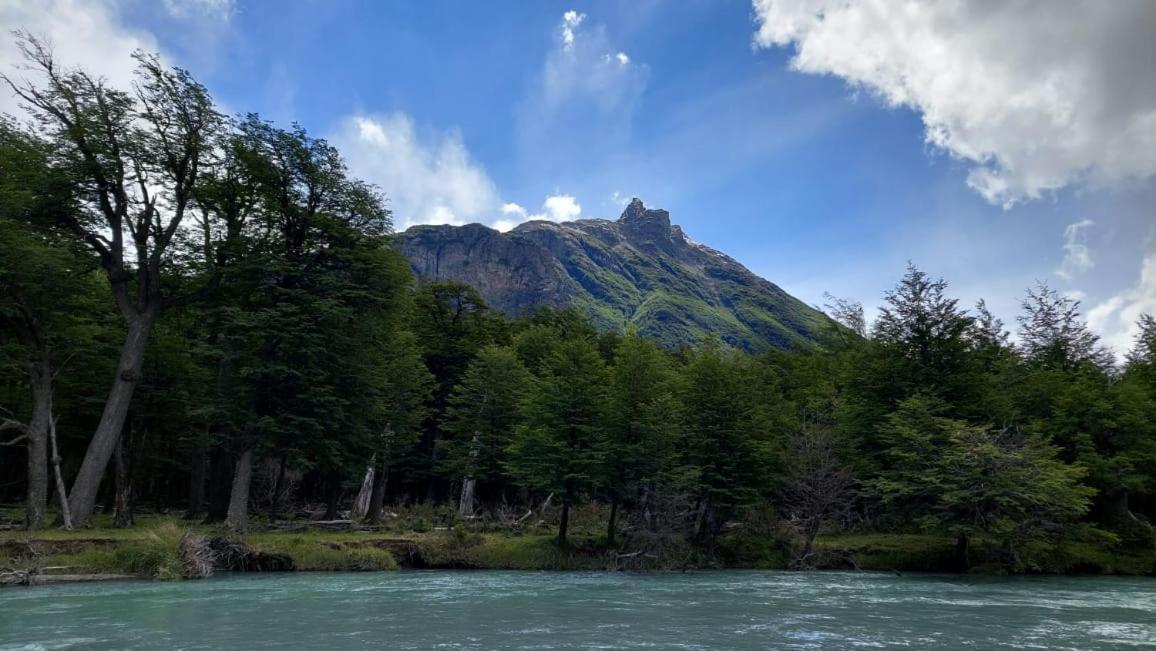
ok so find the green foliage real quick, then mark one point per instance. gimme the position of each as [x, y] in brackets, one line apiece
[725, 451]
[556, 448]
[951, 475]
[484, 410]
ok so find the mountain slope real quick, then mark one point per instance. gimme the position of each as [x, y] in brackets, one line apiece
[638, 270]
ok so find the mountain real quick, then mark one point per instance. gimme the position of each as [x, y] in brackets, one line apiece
[637, 270]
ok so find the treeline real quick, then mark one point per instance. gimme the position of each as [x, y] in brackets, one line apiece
[205, 313]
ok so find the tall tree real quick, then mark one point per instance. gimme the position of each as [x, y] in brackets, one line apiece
[1052, 334]
[136, 159]
[484, 410]
[640, 418]
[725, 452]
[555, 450]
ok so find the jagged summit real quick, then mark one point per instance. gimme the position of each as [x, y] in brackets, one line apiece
[639, 219]
[638, 270]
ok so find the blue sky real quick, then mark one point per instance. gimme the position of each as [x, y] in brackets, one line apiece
[823, 143]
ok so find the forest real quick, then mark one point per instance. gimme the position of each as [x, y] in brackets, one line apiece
[203, 314]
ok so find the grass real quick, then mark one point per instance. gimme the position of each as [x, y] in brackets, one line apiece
[506, 552]
[151, 553]
[325, 552]
[151, 548]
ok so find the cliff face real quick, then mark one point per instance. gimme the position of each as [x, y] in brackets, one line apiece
[639, 270]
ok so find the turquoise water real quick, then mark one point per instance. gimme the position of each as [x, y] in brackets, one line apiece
[562, 610]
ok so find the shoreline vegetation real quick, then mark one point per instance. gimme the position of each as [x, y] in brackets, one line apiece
[169, 548]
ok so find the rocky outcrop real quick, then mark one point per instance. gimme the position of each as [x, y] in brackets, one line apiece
[637, 271]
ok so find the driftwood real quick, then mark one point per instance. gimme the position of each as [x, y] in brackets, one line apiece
[234, 556]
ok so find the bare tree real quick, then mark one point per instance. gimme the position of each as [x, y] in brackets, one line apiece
[817, 488]
[847, 313]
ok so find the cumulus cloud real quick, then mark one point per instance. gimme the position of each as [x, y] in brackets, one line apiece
[88, 34]
[429, 178]
[1077, 257]
[1035, 96]
[1115, 319]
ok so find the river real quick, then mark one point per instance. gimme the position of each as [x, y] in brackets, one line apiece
[538, 610]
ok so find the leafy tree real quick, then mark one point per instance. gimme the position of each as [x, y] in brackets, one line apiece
[1052, 335]
[928, 333]
[483, 413]
[452, 324]
[969, 480]
[1144, 350]
[405, 391]
[639, 421]
[556, 447]
[725, 453]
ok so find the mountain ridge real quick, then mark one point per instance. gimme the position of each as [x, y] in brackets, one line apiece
[639, 270]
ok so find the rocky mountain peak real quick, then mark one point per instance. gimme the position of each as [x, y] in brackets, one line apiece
[639, 271]
[638, 219]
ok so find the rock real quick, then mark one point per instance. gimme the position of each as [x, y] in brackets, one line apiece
[638, 271]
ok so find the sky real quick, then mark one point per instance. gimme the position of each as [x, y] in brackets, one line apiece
[822, 143]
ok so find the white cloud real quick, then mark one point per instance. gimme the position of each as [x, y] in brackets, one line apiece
[428, 179]
[560, 208]
[584, 67]
[1115, 318]
[570, 21]
[215, 9]
[1034, 95]
[1077, 257]
[87, 34]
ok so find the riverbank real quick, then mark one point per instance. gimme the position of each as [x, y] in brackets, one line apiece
[168, 548]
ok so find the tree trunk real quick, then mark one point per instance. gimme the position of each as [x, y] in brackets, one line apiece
[277, 487]
[61, 494]
[38, 427]
[466, 502]
[82, 499]
[332, 493]
[197, 481]
[963, 552]
[564, 521]
[377, 496]
[238, 517]
[220, 484]
[611, 527]
[123, 509]
[707, 526]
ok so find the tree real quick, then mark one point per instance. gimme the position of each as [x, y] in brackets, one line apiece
[817, 487]
[848, 314]
[483, 413]
[928, 333]
[1144, 350]
[948, 475]
[407, 389]
[555, 449]
[452, 324]
[639, 420]
[50, 308]
[1052, 335]
[135, 159]
[724, 452]
[317, 285]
